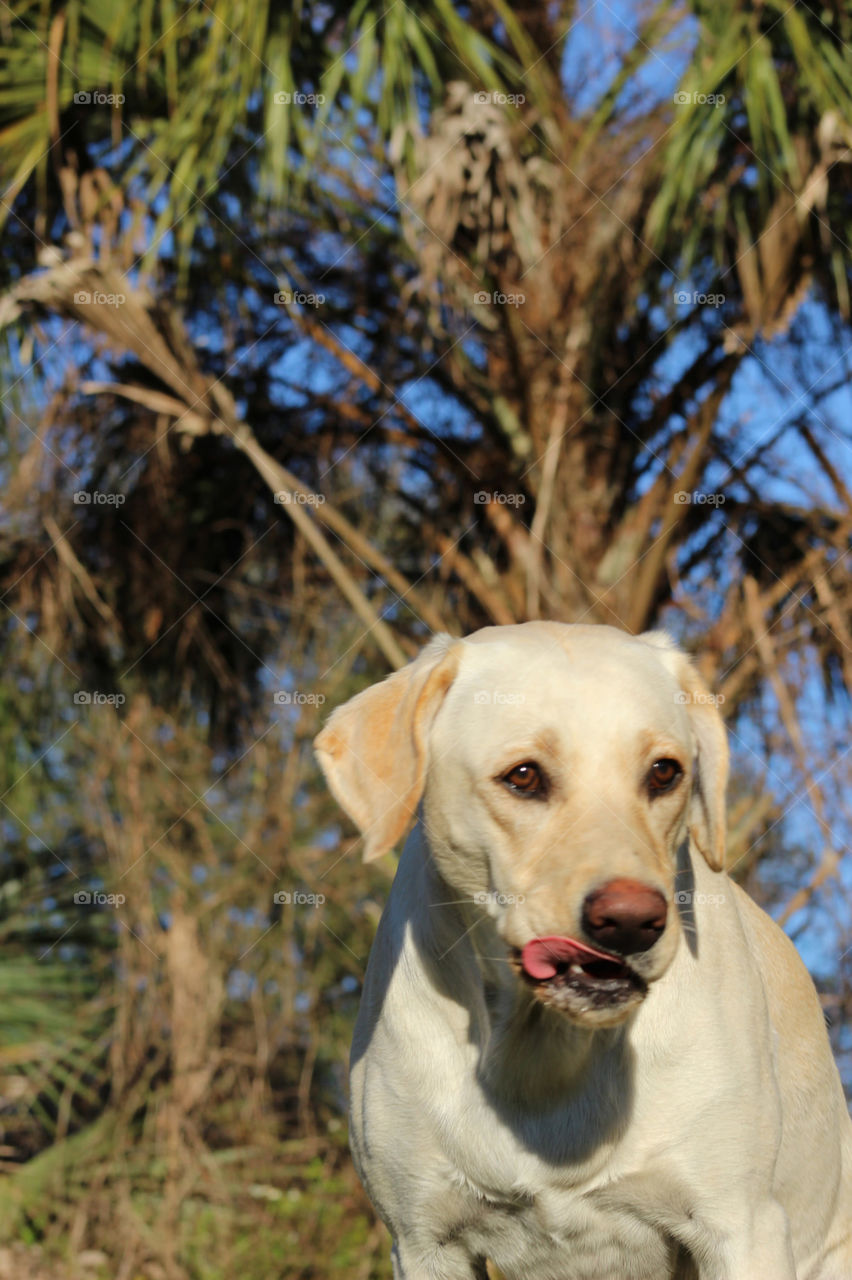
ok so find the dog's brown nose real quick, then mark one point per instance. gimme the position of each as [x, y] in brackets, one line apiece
[625, 916]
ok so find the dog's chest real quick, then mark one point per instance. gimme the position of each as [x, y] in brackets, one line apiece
[560, 1194]
[541, 1196]
[564, 1235]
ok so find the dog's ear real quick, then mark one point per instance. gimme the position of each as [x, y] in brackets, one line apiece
[707, 804]
[373, 749]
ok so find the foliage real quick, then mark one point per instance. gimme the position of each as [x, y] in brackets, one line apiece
[469, 328]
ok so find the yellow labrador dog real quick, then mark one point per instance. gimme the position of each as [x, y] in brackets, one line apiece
[582, 1051]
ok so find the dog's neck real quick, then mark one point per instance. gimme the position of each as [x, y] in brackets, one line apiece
[529, 1055]
[533, 1056]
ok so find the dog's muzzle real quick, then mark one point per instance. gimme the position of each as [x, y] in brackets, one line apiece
[570, 975]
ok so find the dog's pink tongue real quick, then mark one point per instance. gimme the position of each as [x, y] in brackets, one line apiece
[542, 956]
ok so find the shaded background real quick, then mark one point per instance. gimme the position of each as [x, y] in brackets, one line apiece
[325, 327]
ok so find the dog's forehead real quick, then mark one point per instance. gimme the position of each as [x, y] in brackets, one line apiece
[511, 677]
[553, 655]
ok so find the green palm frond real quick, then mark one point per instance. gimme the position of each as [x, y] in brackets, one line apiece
[766, 111]
[189, 93]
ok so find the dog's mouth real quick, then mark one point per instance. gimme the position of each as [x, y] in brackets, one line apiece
[570, 975]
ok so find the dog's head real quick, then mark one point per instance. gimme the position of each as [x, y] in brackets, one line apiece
[560, 768]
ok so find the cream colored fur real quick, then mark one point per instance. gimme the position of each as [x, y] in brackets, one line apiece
[701, 1133]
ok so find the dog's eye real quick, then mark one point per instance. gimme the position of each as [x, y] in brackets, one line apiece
[664, 775]
[525, 779]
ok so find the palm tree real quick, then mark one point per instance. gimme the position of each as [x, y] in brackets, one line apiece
[476, 293]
